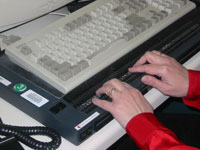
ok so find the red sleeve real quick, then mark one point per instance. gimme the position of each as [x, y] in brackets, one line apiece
[149, 134]
[193, 95]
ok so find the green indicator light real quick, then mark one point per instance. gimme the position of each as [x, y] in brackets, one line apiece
[20, 87]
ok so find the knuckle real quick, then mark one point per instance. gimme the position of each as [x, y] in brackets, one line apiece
[145, 67]
[114, 80]
[136, 91]
[148, 53]
[126, 93]
[165, 69]
[170, 60]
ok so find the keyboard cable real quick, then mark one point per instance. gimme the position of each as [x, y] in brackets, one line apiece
[23, 134]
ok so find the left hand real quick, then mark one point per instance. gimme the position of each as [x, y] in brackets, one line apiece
[127, 102]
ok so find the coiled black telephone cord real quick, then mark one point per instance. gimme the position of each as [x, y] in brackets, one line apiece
[23, 134]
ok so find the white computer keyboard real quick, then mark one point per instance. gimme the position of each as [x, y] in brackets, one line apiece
[74, 48]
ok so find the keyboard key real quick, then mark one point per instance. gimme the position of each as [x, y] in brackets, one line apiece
[65, 75]
[26, 50]
[59, 68]
[83, 43]
[83, 64]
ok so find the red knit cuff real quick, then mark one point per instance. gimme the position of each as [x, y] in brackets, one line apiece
[141, 127]
[193, 95]
[194, 85]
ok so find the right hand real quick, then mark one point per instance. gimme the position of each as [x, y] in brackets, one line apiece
[174, 77]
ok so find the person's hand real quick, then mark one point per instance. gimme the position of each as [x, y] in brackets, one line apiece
[174, 77]
[127, 101]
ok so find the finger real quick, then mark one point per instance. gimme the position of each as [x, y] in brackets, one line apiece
[104, 89]
[149, 69]
[154, 82]
[107, 87]
[106, 105]
[150, 57]
[113, 93]
[115, 83]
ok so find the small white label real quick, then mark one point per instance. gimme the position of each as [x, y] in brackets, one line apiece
[86, 121]
[4, 81]
[34, 98]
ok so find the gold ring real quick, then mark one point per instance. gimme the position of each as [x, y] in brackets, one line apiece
[112, 91]
[161, 53]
